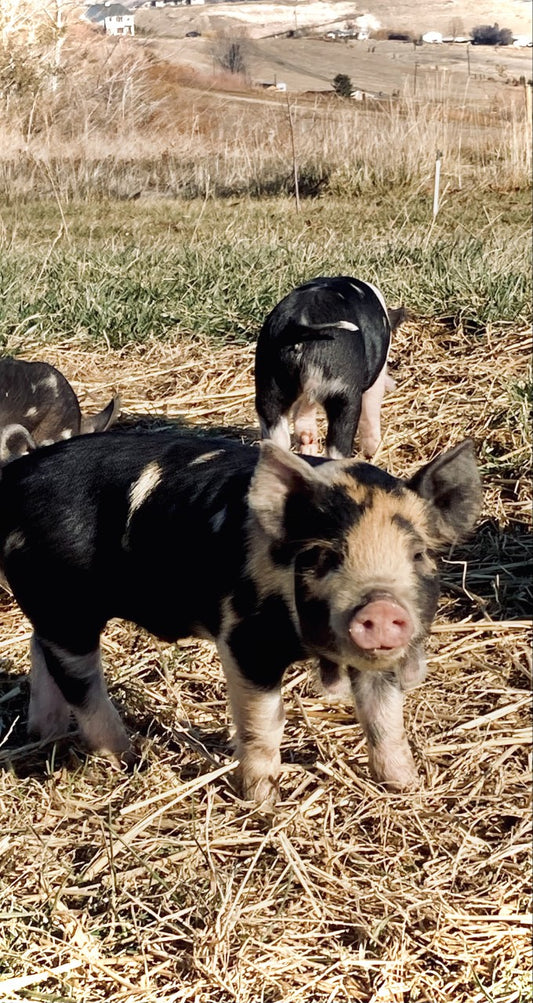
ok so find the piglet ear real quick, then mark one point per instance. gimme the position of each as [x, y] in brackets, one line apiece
[452, 484]
[15, 440]
[103, 420]
[397, 316]
[277, 475]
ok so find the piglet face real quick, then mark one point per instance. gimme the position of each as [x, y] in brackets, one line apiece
[369, 598]
[363, 546]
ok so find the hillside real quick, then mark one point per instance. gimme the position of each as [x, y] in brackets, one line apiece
[265, 18]
[310, 63]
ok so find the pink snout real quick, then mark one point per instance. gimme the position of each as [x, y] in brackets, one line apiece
[382, 625]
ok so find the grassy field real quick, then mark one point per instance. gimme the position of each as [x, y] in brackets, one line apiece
[120, 273]
[162, 885]
[139, 252]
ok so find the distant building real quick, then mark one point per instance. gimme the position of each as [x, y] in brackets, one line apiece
[114, 18]
[434, 37]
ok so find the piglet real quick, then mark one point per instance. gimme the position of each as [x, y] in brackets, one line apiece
[275, 557]
[325, 343]
[38, 406]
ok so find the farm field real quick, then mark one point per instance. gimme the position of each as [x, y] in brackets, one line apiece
[162, 884]
[309, 62]
[151, 215]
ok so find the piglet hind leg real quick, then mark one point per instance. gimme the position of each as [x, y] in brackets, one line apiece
[370, 420]
[277, 431]
[49, 713]
[78, 680]
[342, 412]
[259, 718]
[379, 704]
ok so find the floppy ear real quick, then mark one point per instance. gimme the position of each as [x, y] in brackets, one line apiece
[15, 440]
[103, 420]
[277, 475]
[397, 316]
[452, 484]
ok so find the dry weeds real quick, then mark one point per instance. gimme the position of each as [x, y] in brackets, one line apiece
[163, 885]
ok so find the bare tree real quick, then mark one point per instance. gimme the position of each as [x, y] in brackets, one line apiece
[456, 27]
[230, 53]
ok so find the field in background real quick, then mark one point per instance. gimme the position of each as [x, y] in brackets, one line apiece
[133, 119]
[147, 225]
[162, 886]
[309, 61]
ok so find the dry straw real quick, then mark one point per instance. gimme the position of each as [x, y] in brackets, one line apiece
[162, 885]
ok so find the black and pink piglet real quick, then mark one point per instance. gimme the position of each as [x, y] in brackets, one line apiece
[325, 344]
[273, 556]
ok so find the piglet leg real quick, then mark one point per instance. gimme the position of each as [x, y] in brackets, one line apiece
[370, 420]
[49, 713]
[379, 703]
[413, 670]
[259, 719]
[78, 687]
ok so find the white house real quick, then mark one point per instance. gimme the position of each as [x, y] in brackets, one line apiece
[113, 17]
[435, 37]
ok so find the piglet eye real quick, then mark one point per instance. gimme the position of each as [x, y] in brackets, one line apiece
[327, 561]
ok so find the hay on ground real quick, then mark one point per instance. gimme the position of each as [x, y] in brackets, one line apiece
[163, 885]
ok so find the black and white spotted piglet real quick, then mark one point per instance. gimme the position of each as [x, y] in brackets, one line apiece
[38, 406]
[275, 557]
[326, 344]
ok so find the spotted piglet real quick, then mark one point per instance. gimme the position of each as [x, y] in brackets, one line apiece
[273, 556]
[38, 406]
[326, 344]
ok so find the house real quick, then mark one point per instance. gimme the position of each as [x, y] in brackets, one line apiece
[433, 37]
[114, 18]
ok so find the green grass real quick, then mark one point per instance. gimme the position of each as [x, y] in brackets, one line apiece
[121, 272]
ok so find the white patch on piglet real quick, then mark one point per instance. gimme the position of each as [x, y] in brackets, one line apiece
[143, 487]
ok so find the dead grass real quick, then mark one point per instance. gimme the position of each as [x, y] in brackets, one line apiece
[130, 119]
[163, 885]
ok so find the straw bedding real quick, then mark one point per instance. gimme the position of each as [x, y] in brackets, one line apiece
[162, 885]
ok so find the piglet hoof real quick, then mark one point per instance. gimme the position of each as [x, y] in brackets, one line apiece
[396, 771]
[263, 790]
[369, 446]
[48, 726]
[125, 761]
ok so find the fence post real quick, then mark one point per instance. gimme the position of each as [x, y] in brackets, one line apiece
[436, 187]
[294, 161]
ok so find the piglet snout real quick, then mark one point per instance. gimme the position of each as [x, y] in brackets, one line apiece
[382, 625]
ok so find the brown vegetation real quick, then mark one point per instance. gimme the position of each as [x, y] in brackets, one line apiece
[163, 885]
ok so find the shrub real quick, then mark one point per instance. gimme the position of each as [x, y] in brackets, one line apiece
[491, 34]
[342, 85]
